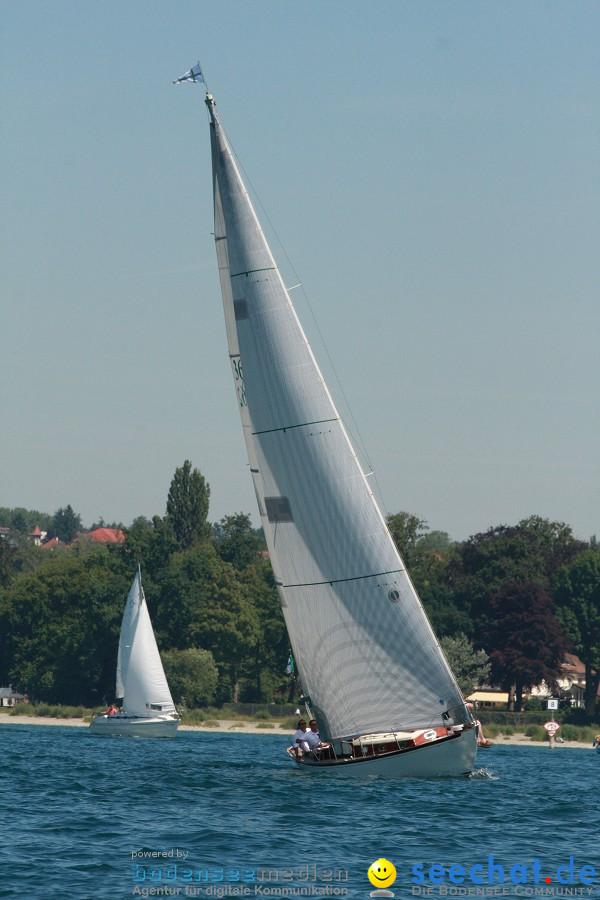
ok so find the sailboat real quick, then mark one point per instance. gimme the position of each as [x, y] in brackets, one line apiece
[373, 671]
[148, 709]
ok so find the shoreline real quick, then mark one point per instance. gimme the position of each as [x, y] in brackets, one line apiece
[225, 726]
[235, 726]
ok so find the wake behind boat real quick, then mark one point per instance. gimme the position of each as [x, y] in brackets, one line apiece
[379, 684]
[148, 709]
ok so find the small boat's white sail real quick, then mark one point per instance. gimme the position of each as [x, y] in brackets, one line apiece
[367, 654]
[141, 679]
[148, 709]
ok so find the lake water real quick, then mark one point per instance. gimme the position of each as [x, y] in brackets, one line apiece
[74, 808]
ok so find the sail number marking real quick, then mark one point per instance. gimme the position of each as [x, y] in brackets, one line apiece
[238, 376]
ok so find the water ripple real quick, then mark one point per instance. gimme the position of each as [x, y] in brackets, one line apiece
[75, 808]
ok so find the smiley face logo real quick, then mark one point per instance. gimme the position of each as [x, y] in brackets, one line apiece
[382, 873]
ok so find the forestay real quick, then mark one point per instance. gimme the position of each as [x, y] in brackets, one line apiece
[366, 651]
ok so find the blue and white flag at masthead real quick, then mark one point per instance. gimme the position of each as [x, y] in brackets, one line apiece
[194, 74]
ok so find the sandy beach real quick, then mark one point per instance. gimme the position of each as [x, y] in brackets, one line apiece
[223, 725]
[521, 740]
[232, 726]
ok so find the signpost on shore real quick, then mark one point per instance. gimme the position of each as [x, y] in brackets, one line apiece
[552, 726]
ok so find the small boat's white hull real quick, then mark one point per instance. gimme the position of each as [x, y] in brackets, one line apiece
[133, 726]
[452, 755]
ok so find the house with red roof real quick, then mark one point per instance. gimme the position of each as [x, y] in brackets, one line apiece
[105, 536]
[54, 544]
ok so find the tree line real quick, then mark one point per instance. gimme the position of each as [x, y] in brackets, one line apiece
[526, 594]
[507, 603]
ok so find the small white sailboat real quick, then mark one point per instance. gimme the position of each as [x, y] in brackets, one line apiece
[379, 684]
[148, 709]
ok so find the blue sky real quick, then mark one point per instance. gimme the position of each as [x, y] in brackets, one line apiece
[431, 170]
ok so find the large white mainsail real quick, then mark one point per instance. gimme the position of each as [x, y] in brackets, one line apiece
[141, 679]
[366, 651]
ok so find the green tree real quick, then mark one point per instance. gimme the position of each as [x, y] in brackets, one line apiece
[66, 524]
[554, 542]
[531, 551]
[60, 628]
[435, 541]
[265, 665]
[470, 667]
[187, 506]
[201, 601]
[578, 595]
[429, 573]
[151, 544]
[24, 520]
[192, 676]
[181, 587]
[406, 530]
[229, 626]
[7, 554]
[236, 540]
[19, 522]
[21, 555]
